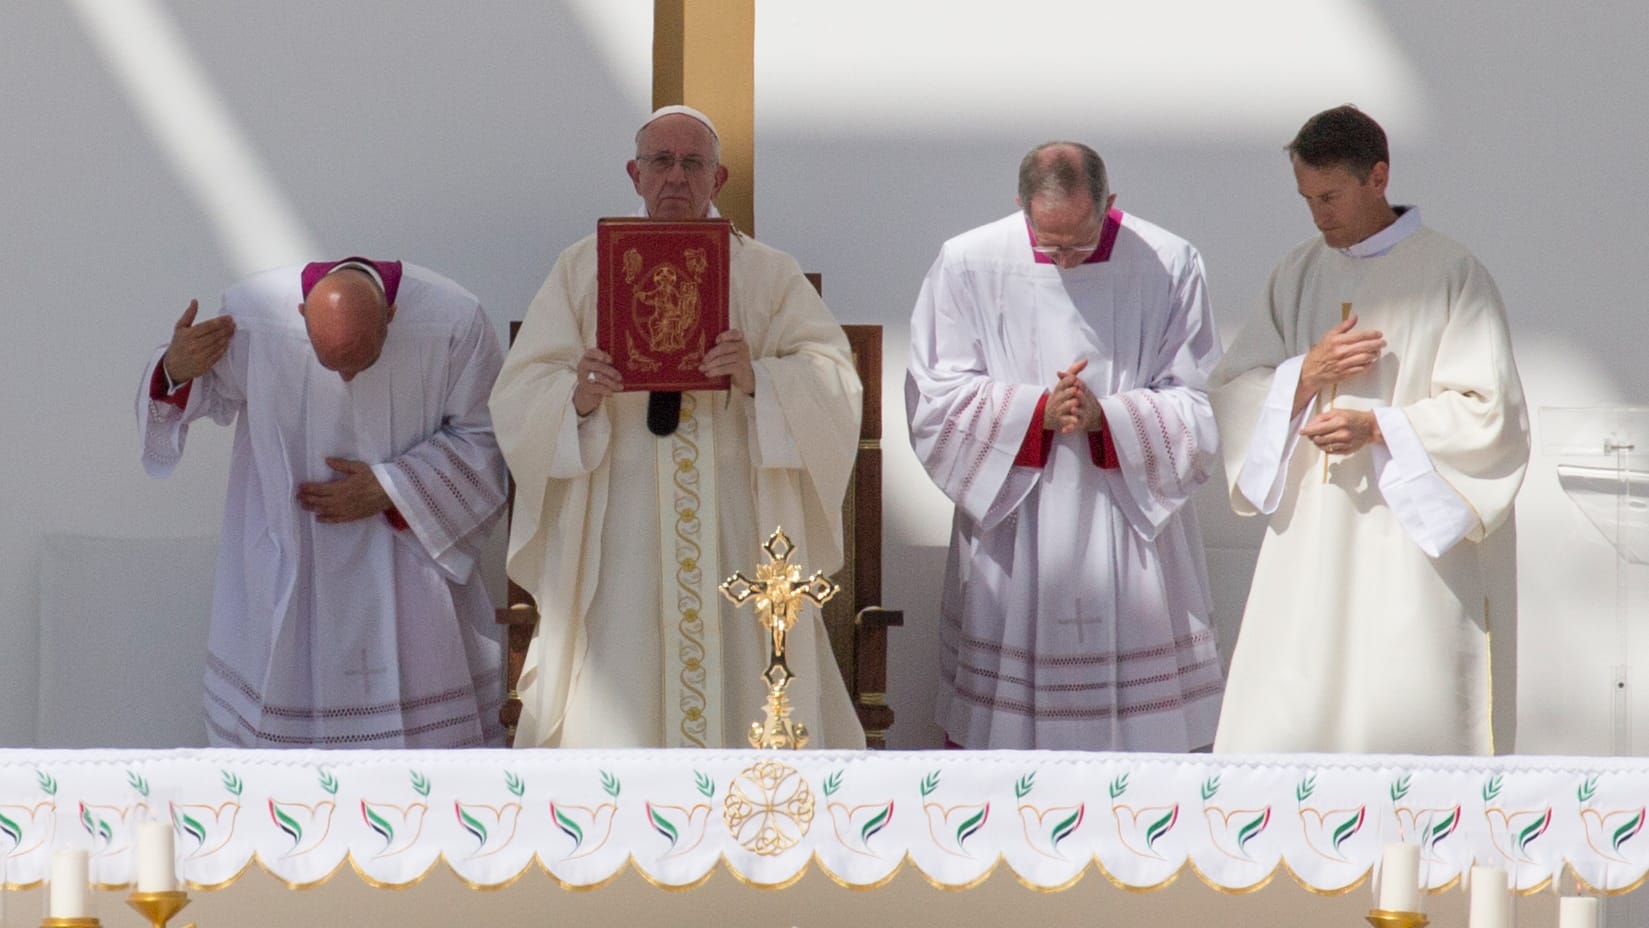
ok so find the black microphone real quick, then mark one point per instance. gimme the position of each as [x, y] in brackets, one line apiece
[663, 412]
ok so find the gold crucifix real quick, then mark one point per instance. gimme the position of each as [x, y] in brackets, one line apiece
[778, 590]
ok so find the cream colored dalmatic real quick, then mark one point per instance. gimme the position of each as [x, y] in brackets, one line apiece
[622, 536]
[1382, 613]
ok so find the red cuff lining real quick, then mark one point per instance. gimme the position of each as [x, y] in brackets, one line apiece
[1100, 449]
[157, 389]
[1038, 441]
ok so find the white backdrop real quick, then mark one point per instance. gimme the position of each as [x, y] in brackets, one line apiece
[154, 158]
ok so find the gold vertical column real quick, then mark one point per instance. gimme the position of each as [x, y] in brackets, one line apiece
[704, 56]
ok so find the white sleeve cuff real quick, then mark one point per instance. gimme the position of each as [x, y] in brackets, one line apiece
[455, 561]
[582, 443]
[1430, 511]
[775, 446]
[1275, 436]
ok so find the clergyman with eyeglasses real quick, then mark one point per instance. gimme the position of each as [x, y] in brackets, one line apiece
[621, 534]
[1056, 395]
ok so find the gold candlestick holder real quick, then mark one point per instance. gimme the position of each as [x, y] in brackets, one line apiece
[778, 589]
[53, 921]
[1385, 918]
[159, 908]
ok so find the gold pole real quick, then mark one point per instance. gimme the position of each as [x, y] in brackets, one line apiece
[1334, 389]
[704, 56]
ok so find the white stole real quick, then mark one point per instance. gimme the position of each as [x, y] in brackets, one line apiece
[689, 603]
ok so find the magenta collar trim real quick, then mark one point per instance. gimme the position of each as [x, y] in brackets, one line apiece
[1107, 239]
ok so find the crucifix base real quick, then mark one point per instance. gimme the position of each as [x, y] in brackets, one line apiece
[778, 731]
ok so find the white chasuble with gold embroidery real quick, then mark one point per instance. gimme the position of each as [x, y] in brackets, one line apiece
[622, 536]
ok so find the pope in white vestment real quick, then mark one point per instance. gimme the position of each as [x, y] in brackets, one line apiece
[1075, 611]
[587, 534]
[360, 632]
[622, 535]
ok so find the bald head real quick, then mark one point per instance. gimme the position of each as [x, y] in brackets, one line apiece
[348, 320]
[1062, 170]
[1065, 196]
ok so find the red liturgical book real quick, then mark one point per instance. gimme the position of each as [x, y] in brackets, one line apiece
[661, 299]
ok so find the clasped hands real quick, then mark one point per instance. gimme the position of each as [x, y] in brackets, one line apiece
[599, 379]
[1340, 355]
[1071, 405]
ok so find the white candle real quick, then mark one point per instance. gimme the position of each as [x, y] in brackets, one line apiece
[68, 893]
[1400, 878]
[1577, 912]
[156, 867]
[1490, 899]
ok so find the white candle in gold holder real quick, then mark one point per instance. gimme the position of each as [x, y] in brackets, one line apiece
[1400, 878]
[1490, 899]
[69, 889]
[156, 865]
[1577, 912]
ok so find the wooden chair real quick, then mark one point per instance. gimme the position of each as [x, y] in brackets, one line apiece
[854, 617]
[856, 622]
[519, 616]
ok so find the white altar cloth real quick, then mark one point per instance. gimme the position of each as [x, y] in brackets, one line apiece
[583, 817]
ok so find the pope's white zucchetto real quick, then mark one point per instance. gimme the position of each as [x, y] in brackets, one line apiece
[679, 109]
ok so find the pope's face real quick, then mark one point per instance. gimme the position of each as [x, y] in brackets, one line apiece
[1346, 210]
[675, 169]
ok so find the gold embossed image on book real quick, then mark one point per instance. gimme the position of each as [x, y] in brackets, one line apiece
[661, 299]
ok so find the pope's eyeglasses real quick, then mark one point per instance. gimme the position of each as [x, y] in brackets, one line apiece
[661, 162]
